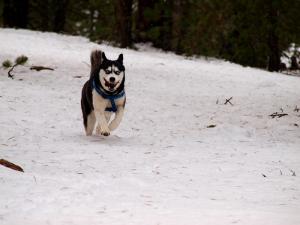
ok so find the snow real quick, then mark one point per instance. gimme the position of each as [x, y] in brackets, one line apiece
[162, 165]
[288, 53]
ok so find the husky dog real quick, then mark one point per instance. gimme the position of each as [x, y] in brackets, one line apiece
[103, 94]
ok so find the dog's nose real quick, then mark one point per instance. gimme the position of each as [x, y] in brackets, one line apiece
[112, 79]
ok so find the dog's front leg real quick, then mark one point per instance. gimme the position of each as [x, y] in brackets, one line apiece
[102, 127]
[99, 109]
[117, 120]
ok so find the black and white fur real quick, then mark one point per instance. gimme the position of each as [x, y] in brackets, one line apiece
[109, 76]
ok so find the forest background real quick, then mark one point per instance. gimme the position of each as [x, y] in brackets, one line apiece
[249, 32]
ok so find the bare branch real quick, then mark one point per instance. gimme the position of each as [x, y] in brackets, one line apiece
[39, 68]
[10, 165]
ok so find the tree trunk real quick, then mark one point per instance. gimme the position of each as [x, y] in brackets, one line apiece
[176, 24]
[294, 63]
[274, 55]
[8, 19]
[143, 23]
[60, 11]
[44, 15]
[15, 13]
[273, 39]
[123, 13]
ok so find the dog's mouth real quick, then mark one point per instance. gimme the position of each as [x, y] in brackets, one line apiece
[111, 85]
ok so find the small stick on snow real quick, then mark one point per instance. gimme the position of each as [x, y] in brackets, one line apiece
[9, 72]
[228, 101]
[39, 68]
[10, 165]
[276, 114]
[293, 173]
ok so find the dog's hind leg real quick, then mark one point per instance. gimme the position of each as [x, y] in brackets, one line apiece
[90, 125]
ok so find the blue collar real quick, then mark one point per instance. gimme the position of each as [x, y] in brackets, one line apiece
[112, 98]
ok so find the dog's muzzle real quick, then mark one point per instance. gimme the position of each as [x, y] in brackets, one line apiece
[110, 85]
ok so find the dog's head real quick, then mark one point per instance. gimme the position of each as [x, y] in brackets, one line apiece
[112, 73]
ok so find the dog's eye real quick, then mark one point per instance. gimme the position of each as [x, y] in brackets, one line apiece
[107, 71]
[117, 72]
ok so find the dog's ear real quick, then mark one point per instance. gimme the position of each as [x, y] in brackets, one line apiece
[104, 57]
[120, 59]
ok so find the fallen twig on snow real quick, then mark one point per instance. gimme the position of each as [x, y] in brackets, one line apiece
[10, 70]
[276, 114]
[10, 165]
[228, 101]
[211, 126]
[39, 68]
[293, 173]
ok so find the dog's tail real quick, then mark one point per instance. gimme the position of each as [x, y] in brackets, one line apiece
[96, 60]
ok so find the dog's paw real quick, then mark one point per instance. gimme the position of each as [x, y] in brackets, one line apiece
[104, 132]
[98, 130]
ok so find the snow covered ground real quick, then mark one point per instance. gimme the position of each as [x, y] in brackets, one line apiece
[162, 166]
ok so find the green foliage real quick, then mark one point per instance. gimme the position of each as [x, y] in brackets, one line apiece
[21, 60]
[7, 64]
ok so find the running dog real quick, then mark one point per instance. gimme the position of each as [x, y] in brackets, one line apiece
[103, 94]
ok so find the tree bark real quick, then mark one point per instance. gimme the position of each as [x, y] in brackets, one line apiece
[60, 11]
[176, 24]
[44, 13]
[123, 13]
[15, 13]
[274, 55]
[273, 39]
[294, 63]
[143, 23]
